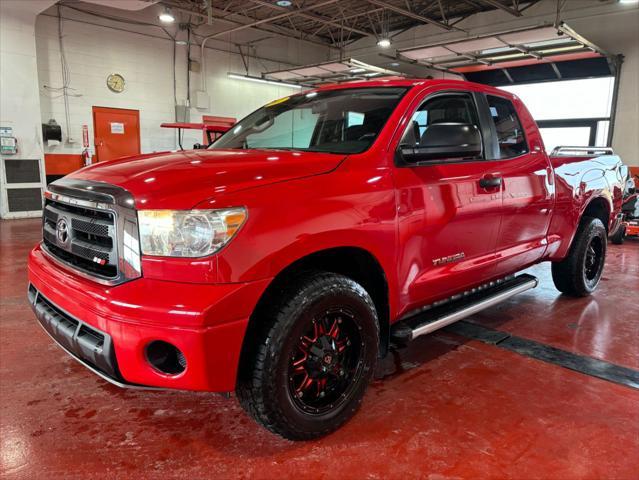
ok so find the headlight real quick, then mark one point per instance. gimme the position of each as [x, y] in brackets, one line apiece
[188, 233]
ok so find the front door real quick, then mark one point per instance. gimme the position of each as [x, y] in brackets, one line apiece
[116, 132]
[449, 216]
[528, 191]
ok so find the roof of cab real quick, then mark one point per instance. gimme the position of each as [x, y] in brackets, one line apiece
[410, 82]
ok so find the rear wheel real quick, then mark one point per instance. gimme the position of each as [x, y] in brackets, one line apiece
[579, 273]
[618, 237]
[307, 375]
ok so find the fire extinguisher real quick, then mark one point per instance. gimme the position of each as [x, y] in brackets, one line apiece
[86, 152]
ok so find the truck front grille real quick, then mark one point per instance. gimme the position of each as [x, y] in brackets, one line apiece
[92, 228]
[82, 237]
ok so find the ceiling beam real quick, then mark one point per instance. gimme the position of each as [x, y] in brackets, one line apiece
[288, 13]
[315, 18]
[283, 32]
[501, 6]
[413, 15]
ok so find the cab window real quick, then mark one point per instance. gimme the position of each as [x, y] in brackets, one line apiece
[448, 108]
[291, 129]
[510, 135]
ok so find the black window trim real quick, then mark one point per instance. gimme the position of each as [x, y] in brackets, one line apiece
[493, 127]
[485, 129]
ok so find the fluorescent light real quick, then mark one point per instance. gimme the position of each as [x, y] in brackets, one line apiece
[384, 42]
[166, 16]
[563, 49]
[262, 80]
[628, 1]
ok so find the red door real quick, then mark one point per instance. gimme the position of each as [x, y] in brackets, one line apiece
[448, 221]
[116, 132]
[527, 185]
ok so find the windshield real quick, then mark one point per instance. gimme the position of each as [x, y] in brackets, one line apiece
[333, 121]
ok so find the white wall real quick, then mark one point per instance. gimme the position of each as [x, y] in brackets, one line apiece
[612, 26]
[146, 62]
[19, 105]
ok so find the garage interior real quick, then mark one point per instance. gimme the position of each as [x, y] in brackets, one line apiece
[540, 386]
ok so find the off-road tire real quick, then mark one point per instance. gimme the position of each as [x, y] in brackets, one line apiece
[569, 275]
[263, 381]
[618, 237]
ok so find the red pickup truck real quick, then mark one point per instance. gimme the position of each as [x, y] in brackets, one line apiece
[281, 262]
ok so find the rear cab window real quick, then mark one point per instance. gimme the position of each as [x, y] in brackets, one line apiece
[510, 134]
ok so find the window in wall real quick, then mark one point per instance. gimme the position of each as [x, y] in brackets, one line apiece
[572, 113]
[354, 118]
[601, 138]
[566, 136]
[588, 98]
[510, 135]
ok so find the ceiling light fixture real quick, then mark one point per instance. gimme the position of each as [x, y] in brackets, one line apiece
[628, 2]
[262, 80]
[384, 42]
[166, 16]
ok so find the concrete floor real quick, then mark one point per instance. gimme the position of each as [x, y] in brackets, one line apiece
[445, 407]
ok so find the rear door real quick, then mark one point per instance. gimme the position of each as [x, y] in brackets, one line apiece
[116, 132]
[527, 184]
[448, 222]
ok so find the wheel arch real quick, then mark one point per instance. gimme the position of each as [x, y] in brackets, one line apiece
[599, 207]
[355, 263]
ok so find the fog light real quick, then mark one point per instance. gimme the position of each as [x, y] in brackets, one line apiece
[165, 357]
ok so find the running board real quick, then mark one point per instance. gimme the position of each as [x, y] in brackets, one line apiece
[441, 316]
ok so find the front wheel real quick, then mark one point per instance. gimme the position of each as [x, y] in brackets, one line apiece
[308, 375]
[579, 273]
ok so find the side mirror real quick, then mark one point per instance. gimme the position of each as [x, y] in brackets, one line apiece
[444, 141]
[198, 146]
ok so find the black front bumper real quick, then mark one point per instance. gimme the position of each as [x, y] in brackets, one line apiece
[90, 346]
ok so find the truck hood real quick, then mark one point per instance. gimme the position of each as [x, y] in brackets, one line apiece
[181, 180]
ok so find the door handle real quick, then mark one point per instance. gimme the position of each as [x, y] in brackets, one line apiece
[490, 182]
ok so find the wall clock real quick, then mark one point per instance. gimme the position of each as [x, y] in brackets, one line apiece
[115, 82]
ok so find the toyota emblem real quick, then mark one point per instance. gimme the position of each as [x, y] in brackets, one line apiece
[62, 231]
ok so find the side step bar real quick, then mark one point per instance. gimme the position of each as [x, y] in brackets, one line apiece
[450, 312]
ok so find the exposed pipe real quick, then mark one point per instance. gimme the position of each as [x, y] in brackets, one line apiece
[66, 77]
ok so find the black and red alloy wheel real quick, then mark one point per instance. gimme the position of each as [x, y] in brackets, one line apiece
[326, 362]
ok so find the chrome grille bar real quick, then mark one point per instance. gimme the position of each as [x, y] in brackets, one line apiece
[84, 226]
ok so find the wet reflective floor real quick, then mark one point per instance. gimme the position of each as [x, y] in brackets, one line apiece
[444, 407]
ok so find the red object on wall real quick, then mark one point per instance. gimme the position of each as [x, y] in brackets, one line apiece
[116, 132]
[85, 136]
[62, 163]
[225, 122]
